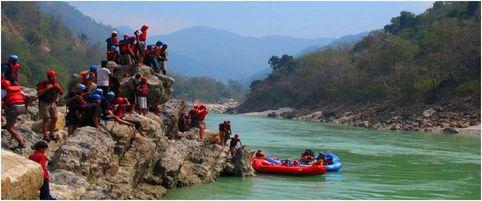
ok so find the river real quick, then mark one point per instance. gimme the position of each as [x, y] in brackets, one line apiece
[377, 165]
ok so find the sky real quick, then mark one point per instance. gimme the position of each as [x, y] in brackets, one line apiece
[258, 19]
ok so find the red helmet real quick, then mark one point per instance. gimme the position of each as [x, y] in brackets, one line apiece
[201, 106]
[144, 27]
[144, 80]
[119, 100]
[51, 73]
[5, 84]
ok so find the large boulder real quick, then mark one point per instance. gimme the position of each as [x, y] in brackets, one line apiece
[21, 178]
[240, 163]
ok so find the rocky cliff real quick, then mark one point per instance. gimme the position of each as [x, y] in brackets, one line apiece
[115, 162]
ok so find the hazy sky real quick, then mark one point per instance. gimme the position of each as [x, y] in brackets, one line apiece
[297, 19]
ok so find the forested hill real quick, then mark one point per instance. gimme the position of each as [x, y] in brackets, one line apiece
[417, 59]
[42, 43]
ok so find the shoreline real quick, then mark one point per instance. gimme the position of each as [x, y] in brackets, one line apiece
[350, 119]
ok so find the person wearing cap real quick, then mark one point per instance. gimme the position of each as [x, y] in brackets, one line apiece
[91, 111]
[112, 40]
[48, 92]
[74, 102]
[13, 102]
[11, 69]
[103, 75]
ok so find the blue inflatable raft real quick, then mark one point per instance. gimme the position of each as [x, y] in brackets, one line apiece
[336, 162]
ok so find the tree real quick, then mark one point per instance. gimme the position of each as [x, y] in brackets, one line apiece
[274, 62]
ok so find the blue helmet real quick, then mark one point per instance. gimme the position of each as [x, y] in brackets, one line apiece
[99, 91]
[95, 97]
[13, 58]
[112, 48]
[111, 95]
[159, 43]
[81, 87]
[93, 68]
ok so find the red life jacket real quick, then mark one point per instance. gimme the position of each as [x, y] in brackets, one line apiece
[12, 71]
[115, 41]
[14, 96]
[87, 77]
[110, 55]
[143, 36]
[132, 47]
[124, 47]
[118, 110]
[201, 115]
[143, 90]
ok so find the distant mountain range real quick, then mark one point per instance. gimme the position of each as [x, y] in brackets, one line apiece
[197, 51]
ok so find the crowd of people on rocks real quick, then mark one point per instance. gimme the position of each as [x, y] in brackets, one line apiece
[90, 106]
[133, 49]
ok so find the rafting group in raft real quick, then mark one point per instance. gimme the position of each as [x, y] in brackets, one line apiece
[307, 164]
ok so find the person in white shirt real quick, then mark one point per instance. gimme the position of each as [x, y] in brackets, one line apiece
[103, 74]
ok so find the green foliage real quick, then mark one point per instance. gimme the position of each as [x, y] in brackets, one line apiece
[207, 89]
[415, 59]
[42, 43]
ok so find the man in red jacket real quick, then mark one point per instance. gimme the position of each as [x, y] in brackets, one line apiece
[13, 102]
[199, 116]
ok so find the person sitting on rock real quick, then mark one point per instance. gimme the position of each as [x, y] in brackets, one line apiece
[233, 143]
[259, 154]
[91, 112]
[116, 112]
[13, 102]
[48, 92]
[105, 104]
[142, 92]
[39, 156]
[74, 100]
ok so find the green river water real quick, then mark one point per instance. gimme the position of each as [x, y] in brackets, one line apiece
[377, 165]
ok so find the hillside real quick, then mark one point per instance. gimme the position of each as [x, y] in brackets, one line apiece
[225, 55]
[42, 43]
[414, 62]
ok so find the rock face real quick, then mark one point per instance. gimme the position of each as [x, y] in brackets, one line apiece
[115, 162]
[21, 177]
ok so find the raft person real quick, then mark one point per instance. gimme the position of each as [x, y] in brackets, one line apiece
[74, 102]
[116, 112]
[133, 84]
[47, 92]
[88, 77]
[142, 42]
[142, 92]
[133, 49]
[112, 40]
[11, 70]
[125, 54]
[200, 114]
[112, 55]
[91, 111]
[307, 157]
[13, 101]
[152, 58]
[103, 75]
[163, 59]
[39, 156]
[224, 132]
[232, 144]
[259, 154]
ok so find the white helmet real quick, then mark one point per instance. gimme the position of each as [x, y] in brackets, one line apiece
[114, 32]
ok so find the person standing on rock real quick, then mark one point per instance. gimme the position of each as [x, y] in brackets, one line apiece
[142, 92]
[233, 143]
[11, 70]
[103, 75]
[134, 82]
[163, 59]
[47, 92]
[13, 102]
[125, 56]
[74, 102]
[200, 115]
[224, 132]
[112, 40]
[142, 42]
[40, 157]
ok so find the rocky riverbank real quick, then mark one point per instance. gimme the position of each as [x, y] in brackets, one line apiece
[458, 116]
[114, 162]
[218, 108]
